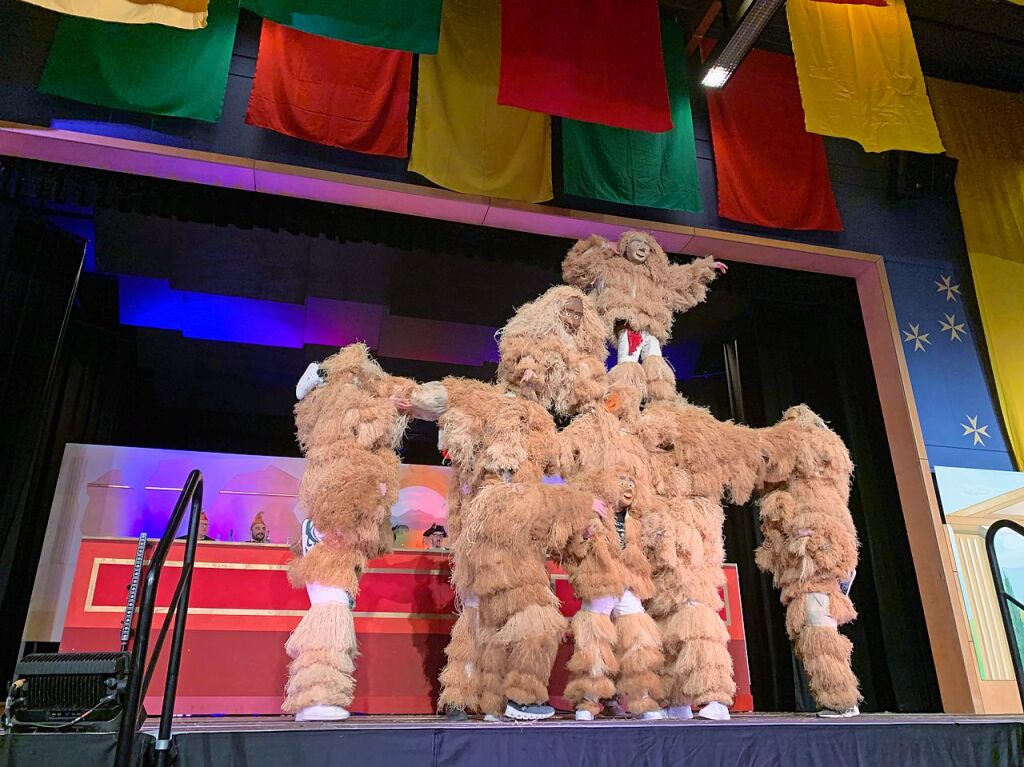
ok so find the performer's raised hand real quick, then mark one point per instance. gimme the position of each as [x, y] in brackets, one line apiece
[720, 267]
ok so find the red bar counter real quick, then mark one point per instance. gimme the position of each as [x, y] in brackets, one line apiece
[242, 609]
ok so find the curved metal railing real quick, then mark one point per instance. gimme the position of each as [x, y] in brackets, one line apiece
[1005, 598]
[139, 675]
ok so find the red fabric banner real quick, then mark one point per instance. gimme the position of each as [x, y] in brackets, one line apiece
[771, 171]
[331, 92]
[597, 61]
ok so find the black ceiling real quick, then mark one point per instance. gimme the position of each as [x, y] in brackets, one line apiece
[972, 41]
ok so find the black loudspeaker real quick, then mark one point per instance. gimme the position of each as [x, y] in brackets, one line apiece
[920, 175]
[68, 691]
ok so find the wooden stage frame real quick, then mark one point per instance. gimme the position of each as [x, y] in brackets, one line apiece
[961, 687]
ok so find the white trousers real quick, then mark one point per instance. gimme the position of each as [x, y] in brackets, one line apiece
[627, 604]
[649, 346]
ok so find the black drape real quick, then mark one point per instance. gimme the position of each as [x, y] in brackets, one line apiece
[39, 269]
[794, 346]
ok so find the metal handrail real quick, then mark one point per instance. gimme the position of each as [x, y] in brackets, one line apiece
[139, 675]
[1004, 597]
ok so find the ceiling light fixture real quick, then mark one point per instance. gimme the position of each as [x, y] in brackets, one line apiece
[734, 49]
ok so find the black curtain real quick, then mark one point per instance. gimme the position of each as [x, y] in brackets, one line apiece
[39, 269]
[809, 346]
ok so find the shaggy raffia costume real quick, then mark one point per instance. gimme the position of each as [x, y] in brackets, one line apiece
[810, 548]
[348, 429]
[637, 292]
[502, 440]
[698, 462]
[617, 646]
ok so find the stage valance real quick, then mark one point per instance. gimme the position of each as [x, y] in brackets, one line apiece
[593, 60]
[405, 25]
[982, 129]
[331, 92]
[860, 77]
[771, 171]
[144, 67]
[651, 170]
[463, 139]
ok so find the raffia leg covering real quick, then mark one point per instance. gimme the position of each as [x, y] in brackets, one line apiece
[490, 683]
[701, 670]
[629, 374]
[825, 655]
[661, 381]
[640, 662]
[323, 651]
[531, 637]
[593, 664]
[460, 676]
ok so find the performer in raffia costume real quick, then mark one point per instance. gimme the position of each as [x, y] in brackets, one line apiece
[810, 548]
[502, 440]
[617, 654]
[637, 291]
[348, 428]
[699, 462]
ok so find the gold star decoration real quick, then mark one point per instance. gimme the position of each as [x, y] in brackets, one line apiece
[956, 329]
[945, 285]
[975, 430]
[915, 335]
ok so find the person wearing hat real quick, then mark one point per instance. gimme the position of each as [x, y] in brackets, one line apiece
[258, 532]
[434, 537]
[204, 527]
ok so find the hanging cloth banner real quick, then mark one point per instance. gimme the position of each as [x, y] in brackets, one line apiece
[331, 92]
[982, 129]
[463, 139]
[593, 60]
[650, 170]
[183, 14]
[404, 25]
[860, 77]
[879, 3]
[144, 67]
[771, 171]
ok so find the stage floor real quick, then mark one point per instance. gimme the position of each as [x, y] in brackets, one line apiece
[873, 740]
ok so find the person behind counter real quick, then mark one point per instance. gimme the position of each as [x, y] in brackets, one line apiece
[434, 538]
[204, 528]
[258, 532]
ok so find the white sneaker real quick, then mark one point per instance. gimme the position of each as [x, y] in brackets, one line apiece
[714, 711]
[582, 715]
[828, 713]
[650, 716]
[679, 712]
[491, 718]
[322, 714]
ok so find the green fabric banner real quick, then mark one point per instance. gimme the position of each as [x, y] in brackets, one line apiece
[651, 170]
[144, 67]
[404, 25]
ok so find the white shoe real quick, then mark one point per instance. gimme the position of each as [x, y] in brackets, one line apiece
[828, 713]
[650, 716]
[679, 712]
[582, 715]
[322, 714]
[714, 711]
[491, 718]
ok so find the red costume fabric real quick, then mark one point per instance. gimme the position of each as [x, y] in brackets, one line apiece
[331, 92]
[555, 59]
[771, 171]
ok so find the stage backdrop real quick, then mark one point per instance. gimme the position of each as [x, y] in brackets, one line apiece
[124, 491]
[972, 500]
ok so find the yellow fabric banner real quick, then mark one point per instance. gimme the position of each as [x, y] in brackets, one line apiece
[982, 129]
[463, 139]
[860, 77]
[182, 14]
